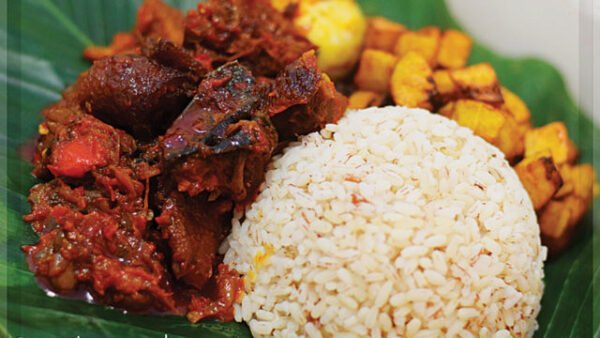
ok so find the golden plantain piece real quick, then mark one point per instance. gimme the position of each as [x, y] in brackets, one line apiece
[560, 216]
[485, 120]
[446, 89]
[444, 85]
[411, 84]
[455, 48]
[382, 34]
[555, 227]
[478, 82]
[583, 178]
[375, 71]
[511, 139]
[425, 42]
[541, 179]
[515, 107]
[362, 99]
[552, 138]
[488, 122]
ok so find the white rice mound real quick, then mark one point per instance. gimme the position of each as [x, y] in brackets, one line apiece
[393, 223]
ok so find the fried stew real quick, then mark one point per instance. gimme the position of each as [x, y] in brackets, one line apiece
[148, 154]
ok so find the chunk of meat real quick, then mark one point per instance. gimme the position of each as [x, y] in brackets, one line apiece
[295, 85]
[230, 286]
[135, 93]
[99, 236]
[194, 229]
[251, 31]
[155, 20]
[169, 55]
[55, 117]
[303, 100]
[74, 144]
[222, 142]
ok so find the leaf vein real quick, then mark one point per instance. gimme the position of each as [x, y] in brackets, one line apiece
[69, 25]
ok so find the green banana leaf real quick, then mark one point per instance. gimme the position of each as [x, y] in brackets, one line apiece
[41, 43]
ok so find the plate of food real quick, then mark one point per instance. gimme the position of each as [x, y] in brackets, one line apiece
[310, 168]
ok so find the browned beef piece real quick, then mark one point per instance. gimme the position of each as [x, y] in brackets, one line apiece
[169, 55]
[250, 31]
[194, 229]
[223, 141]
[135, 94]
[326, 106]
[303, 100]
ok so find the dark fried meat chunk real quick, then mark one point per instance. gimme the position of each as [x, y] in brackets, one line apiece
[169, 55]
[155, 20]
[303, 100]
[250, 31]
[223, 141]
[326, 106]
[135, 94]
[98, 236]
[194, 230]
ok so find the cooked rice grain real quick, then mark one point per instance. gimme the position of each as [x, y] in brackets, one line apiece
[394, 222]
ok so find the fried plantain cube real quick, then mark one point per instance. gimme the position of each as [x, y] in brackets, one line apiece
[515, 107]
[511, 139]
[583, 178]
[382, 34]
[363, 99]
[483, 119]
[478, 82]
[541, 179]
[411, 83]
[375, 70]
[560, 216]
[552, 137]
[488, 122]
[446, 89]
[425, 42]
[455, 47]
[581, 175]
[572, 152]
[555, 227]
